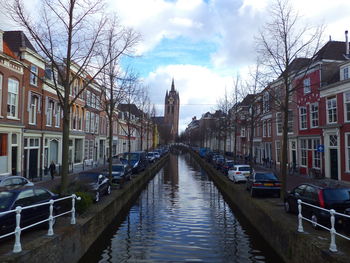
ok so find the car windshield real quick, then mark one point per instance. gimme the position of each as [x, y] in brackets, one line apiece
[337, 194]
[5, 200]
[265, 176]
[244, 169]
[117, 168]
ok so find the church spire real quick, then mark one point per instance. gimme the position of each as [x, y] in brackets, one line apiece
[172, 85]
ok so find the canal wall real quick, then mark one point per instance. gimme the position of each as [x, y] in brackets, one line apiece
[278, 228]
[71, 242]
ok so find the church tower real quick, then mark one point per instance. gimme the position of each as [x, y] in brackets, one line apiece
[171, 111]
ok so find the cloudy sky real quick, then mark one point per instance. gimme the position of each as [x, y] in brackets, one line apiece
[203, 44]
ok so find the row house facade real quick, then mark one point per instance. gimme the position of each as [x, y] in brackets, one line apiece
[31, 115]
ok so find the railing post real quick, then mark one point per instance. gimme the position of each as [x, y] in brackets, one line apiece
[332, 246]
[50, 231]
[300, 219]
[73, 221]
[17, 247]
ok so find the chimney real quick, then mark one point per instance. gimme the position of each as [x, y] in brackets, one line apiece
[346, 44]
[1, 41]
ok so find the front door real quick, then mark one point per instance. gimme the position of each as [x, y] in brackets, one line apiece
[14, 161]
[33, 163]
[334, 163]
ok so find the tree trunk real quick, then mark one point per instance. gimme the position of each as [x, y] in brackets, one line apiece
[110, 157]
[284, 153]
[65, 149]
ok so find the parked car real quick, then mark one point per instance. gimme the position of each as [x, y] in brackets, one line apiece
[120, 174]
[151, 157]
[95, 183]
[227, 166]
[13, 196]
[263, 182]
[157, 155]
[14, 180]
[219, 162]
[239, 173]
[137, 161]
[324, 195]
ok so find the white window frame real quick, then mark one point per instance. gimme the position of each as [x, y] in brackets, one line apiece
[346, 103]
[303, 150]
[314, 113]
[333, 110]
[33, 75]
[278, 151]
[316, 155]
[307, 86]
[49, 112]
[269, 128]
[1, 82]
[12, 98]
[58, 116]
[33, 110]
[347, 152]
[345, 73]
[303, 118]
[264, 129]
[279, 121]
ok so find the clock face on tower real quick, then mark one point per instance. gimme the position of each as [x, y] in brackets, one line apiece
[171, 100]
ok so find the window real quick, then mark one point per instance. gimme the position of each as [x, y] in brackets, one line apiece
[58, 116]
[303, 152]
[346, 106]
[1, 78]
[332, 110]
[97, 123]
[49, 113]
[307, 86]
[316, 157]
[279, 123]
[303, 120]
[88, 98]
[87, 121]
[314, 115]
[269, 128]
[264, 128]
[266, 102]
[12, 98]
[290, 121]
[347, 149]
[33, 75]
[278, 151]
[346, 73]
[3, 144]
[92, 122]
[33, 109]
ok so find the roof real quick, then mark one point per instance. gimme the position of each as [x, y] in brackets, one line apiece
[17, 40]
[334, 50]
[248, 100]
[130, 107]
[8, 51]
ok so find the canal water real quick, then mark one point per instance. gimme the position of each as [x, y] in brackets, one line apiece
[180, 217]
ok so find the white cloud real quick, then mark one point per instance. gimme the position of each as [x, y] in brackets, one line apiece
[199, 89]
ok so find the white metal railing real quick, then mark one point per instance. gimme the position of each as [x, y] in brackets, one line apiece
[17, 232]
[333, 232]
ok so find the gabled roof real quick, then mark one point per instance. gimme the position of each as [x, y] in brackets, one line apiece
[17, 40]
[248, 100]
[333, 50]
[130, 107]
[8, 51]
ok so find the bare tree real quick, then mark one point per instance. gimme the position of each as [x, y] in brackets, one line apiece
[283, 40]
[69, 35]
[143, 104]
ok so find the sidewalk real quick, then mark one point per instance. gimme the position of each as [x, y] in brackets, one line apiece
[50, 184]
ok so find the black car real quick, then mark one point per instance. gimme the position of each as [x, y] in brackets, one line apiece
[324, 195]
[136, 160]
[262, 182]
[11, 197]
[95, 183]
[227, 166]
[120, 174]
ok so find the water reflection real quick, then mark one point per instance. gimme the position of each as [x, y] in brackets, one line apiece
[180, 217]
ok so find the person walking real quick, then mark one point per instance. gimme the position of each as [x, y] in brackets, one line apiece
[52, 169]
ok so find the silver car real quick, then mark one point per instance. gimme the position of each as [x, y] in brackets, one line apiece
[14, 180]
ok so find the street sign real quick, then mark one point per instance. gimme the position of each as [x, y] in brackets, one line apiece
[320, 148]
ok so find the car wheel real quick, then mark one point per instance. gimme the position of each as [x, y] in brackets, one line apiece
[234, 180]
[314, 220]
[252, 192]
[97, 196]
[108, 190]
[287, 206]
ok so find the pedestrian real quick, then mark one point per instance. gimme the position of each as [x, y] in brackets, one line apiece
[52, 169]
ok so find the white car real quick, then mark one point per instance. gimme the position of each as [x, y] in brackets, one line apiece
[239, 173]
[14, 180]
